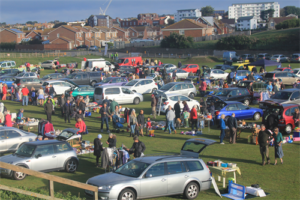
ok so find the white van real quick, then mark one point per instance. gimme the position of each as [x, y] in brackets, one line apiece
[229, 56]
[7, 64]
[121, 94]
[96, 63]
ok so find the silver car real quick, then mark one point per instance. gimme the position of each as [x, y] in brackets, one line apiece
[44, 156]
[11, 138]
[183, 88]
[149, 177]
[291, 95]
[180, 73]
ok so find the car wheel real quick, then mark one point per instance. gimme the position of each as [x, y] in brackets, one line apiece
[127, 194]
[19, 175]
[256, 116]
[192, 95]
[136, 101]
[71, 166]
[288, 129]
[191, 190]
[93, 83]
[246, 102]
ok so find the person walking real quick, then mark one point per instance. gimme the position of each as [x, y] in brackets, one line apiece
[250, 77]
[25, 93]
[4, 92]
[153, 106]
[179, 64]
[278, 145]
[82, 106]
[106, 101]
[232, 125]
[67, 110]
[138, 148]
[174, 76]
[185, 107]
[133, 122]
[116, 56]
[263, 141]
[48, 107]
[194, 117]
[98, 148]
[170, 118]
[62, 103]
[104, 111]
[141, 122]
[112, 140]
[222, 127]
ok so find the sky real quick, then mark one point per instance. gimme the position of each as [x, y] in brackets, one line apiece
[21, 11]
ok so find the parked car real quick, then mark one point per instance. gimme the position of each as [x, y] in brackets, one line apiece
[121, 94]
[93, 64]
[29, 82]
[7, 64]
[126, 68]
[81, 90]
[132, 61]
[265, 56]
[7, 80]
[82, 47]
[27, 75]
[43, 156]
[280, 58]
[257, 85]
[295, 57]
[283, 96]
[283, 69]
[283, 114]
[180, 73]
[171, 99]
[240, 110]
[165, 175]
[93, 48]
[182, 88]
[54, 76]
[242, 74]
[287, 78]
[232, 94]
[60, 86]
[230, 56]
[12, 138]
[49, 64]
[190, 68]
[113, 81]
[247, 57]
[141, 86]
[223, 67]
[217, 74]
[296, 71]
[84, 78]
[168, 66]
[9, 72]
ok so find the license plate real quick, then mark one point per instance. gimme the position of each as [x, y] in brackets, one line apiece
[89, 192]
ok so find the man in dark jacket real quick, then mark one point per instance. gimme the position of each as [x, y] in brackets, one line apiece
[48, 109]
[254, 70]
[141, 121]
[51, 91]
[62, 103]
[250, 77]
[250, 87]
[179, 64]
[263, 141]
[68, 110]
[78, 115]
[174, 74]
[232, 125]
[177, 110]
[106, 100]
[104, 111]
[137, 148]
[153, 105]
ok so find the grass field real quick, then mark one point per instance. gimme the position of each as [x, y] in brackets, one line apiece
[281, 181]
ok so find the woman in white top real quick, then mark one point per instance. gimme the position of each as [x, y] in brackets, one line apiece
[41, 95]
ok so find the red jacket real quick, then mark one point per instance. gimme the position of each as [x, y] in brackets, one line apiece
[25, 92]
[8, 121]
[48, 127]
[203, 86]
[81, 126]
[4, 90]
[193, 114]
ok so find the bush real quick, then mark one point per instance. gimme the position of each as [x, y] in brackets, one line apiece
[291, 23]
[5, 45]
[110, 45]
[238, 42]
[177, 41]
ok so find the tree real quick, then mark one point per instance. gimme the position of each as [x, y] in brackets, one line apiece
[239, 42]
[266, 14]
[29, 22]
[59, 24]
[282, 12]
[291, 10]
[207, 11]
[177, 41]
[171, 21]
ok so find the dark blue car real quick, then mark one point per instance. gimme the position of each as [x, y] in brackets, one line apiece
[7, 80]
[241, 74]
[241, 110]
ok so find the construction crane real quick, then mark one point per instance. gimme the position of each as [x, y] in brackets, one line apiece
[102, 12]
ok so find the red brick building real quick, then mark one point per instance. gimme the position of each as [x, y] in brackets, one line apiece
[36, 34]
[121, 33]
[11, 35]
[147, 18]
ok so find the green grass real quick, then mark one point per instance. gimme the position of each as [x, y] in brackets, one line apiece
[281, 181]
[276, 33]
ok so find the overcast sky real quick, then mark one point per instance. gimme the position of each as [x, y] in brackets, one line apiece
[21, 11]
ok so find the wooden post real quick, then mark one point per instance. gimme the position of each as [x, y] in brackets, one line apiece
[96, 195]
[51, 189]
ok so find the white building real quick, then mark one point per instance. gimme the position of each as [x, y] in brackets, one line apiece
[186, 13]
[252, 9]
[246, 23]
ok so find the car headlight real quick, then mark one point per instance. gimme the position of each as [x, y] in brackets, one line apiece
[105, 187]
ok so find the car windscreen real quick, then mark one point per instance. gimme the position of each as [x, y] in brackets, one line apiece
[282, 95]
[222, 93]
[25, 150]
[295, 56]
[295, 71]
[269, 75]
[167, 87]
[65, 135]
[131, 83]
[106, 80]
[20, 75]
[71, 76]
[46, 77]
[193, 147]
[184, 66]
[132, 169]
[72, 83]
[120, 61]
[275, 56]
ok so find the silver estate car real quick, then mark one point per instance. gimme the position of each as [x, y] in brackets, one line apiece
[43, 156]
[149, 177]
[183, 88]
[11, 138]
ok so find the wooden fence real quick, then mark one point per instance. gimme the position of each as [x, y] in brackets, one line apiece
[49, 177]
[31, 55]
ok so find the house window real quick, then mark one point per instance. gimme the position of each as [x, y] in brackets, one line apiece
[130, 23]
[18, 35]
[133, 23]
[58, 35]
[181, 32]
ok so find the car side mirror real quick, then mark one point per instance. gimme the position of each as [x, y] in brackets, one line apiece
[148, 175]
[39, 155]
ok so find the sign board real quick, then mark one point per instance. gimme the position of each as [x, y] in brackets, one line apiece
[105, 51]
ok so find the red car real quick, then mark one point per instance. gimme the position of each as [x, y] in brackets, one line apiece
[283, 114]
[284, 69]
[190, 68]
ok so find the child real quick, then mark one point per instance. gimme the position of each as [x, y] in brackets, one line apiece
[148, 125]
[186, 116]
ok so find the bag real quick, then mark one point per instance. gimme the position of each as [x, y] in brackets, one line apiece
[119, 125]
[88, 114]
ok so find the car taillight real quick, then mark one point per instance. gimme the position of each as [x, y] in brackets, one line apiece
[282, 121]
[217, 113]
[166, 103]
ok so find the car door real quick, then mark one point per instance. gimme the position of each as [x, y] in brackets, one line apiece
[176, 89]
[126, 96]
[245, 111]
[44, 158]
[156, 179]
[60, 150]
[232, 109]
[177, 175]
[184, 89]
[292, 78]
[13, 139]
[140, 87]
[3, 146]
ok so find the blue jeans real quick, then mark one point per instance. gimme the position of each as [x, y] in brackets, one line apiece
[132, 127]
[106, 122]
[222, 135]
[25, 100]
[171, 125]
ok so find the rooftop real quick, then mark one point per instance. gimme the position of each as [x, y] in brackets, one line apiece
[185, 24]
